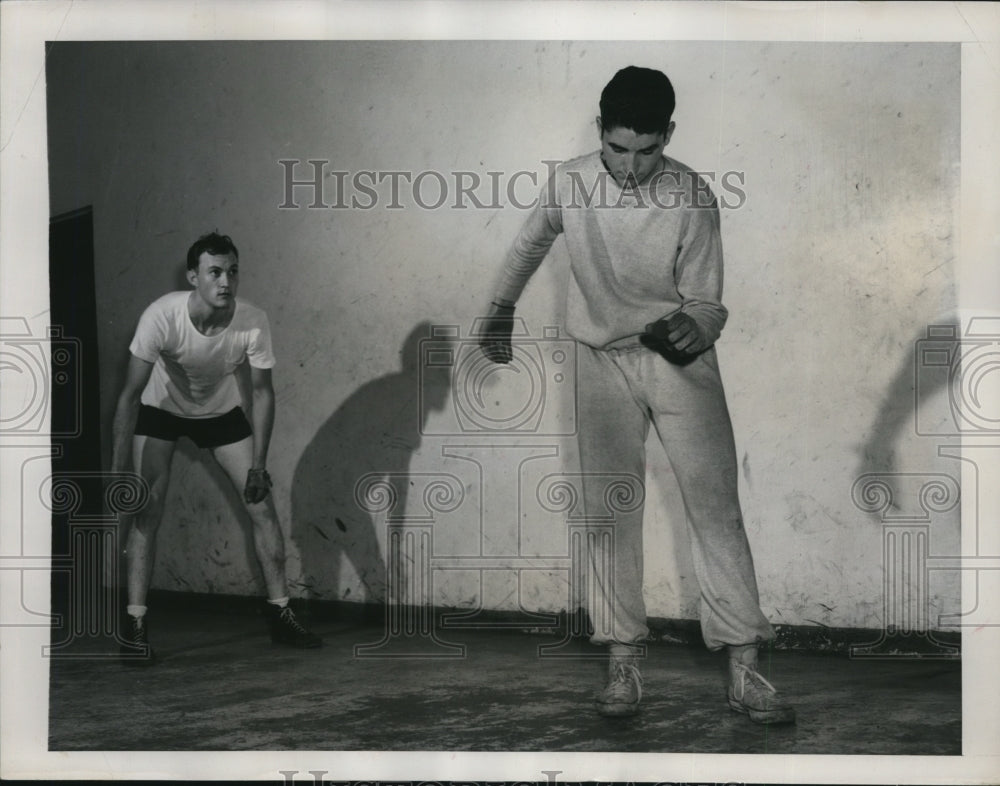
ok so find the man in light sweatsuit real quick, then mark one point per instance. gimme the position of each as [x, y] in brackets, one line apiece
[644, 305]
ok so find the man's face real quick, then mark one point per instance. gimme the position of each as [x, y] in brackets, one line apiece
[630, 157]
[216, 279]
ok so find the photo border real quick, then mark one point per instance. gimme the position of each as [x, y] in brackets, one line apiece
[24, 217]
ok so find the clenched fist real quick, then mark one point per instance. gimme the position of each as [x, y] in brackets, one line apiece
[678, 332]
[495, 339]
[257, 487]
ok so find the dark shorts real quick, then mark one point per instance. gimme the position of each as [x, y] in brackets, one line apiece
[204, 432]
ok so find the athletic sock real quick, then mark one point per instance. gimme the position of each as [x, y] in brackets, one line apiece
[279, 602]
[135, 611]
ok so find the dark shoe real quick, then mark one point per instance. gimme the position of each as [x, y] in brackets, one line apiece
[286, 629]
[135, 651]
[753, 695]
[623, 692]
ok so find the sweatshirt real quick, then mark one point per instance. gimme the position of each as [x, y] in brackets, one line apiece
[636, 255]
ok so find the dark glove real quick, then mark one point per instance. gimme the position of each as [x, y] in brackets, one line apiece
[258, 486]
[497, 329]
[678, 333]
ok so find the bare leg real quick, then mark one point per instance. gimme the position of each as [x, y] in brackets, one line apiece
[151, 457]
[269, 545]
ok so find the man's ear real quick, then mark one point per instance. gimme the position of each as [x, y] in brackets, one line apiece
[670, 132]
[192, 277]
[600, 127]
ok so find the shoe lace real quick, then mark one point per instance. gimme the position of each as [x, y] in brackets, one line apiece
[747, 672]
[624, 673]
[138, 629]
[287, 617]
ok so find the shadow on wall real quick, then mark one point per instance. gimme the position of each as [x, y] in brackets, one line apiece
[912, 399]
[375, 431]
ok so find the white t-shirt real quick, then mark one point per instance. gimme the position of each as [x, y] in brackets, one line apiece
[193, 373]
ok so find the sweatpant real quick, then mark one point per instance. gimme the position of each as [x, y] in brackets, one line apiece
[619, 393]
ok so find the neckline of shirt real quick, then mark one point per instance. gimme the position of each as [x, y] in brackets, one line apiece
[194, 327]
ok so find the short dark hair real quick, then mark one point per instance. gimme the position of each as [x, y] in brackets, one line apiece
[215, 244]
[641, 99]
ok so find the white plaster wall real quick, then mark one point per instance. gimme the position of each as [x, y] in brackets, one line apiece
[837, 261]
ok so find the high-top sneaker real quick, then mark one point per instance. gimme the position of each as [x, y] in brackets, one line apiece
[286, 629]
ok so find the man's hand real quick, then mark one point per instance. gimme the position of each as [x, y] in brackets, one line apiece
[258, 486]
[495, 340]
[678, 333]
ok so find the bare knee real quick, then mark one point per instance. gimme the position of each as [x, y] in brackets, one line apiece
[267, 533]
[147, 520]
[262, 514]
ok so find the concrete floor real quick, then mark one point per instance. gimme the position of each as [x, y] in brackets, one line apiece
[221, 685]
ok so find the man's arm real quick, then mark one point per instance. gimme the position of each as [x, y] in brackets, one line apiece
[700, 272]
[263, 414]
[696, 325]
[532, 243]
[127, 410]
[258, 484]
[530, 247]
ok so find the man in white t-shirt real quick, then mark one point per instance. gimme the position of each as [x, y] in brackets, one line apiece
[181, 381]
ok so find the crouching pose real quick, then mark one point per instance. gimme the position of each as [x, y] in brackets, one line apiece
[181, 382]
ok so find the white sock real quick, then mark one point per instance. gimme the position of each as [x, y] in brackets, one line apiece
[279, 602]
[136, 611]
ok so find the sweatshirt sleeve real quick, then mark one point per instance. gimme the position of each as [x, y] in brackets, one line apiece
[532, 243]
[698, 271]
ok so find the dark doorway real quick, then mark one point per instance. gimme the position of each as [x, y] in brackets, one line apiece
[80, 537]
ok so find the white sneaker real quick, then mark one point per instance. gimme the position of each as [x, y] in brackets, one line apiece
[623, 692]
